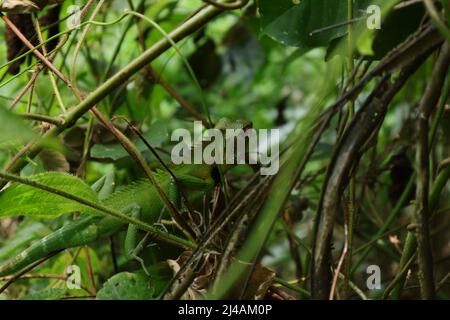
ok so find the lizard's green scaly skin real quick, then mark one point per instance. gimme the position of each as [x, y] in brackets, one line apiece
[194, 179]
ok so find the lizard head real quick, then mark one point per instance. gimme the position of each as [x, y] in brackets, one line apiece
[225, 130]
[226, 123]
[233, 130]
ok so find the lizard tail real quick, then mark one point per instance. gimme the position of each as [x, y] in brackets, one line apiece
[78, 233]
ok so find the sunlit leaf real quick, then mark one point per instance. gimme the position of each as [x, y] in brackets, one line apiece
[292, 22]
[21, 199]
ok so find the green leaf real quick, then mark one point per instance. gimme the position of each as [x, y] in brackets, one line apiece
[364, 44]
[21, 199]
[374, 44]
[291, 22]
[398, 25]
[128, 286]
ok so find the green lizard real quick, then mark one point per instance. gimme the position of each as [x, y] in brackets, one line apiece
[139, 200]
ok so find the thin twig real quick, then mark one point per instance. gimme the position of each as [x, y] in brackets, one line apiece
[341, 259]
[426, 107]
[44, 276]
[42, 118]
[37, 53]
[25, 271]
[116, 81]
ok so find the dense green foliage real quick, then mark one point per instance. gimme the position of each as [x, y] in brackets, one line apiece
[364, 123]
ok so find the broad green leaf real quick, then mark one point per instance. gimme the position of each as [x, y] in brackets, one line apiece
[291, 22]
[374, 44]
[21, 199]
[396, 27]
[128, 286]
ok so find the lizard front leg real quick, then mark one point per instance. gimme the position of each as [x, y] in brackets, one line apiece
[105, 186]
[132, 246]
